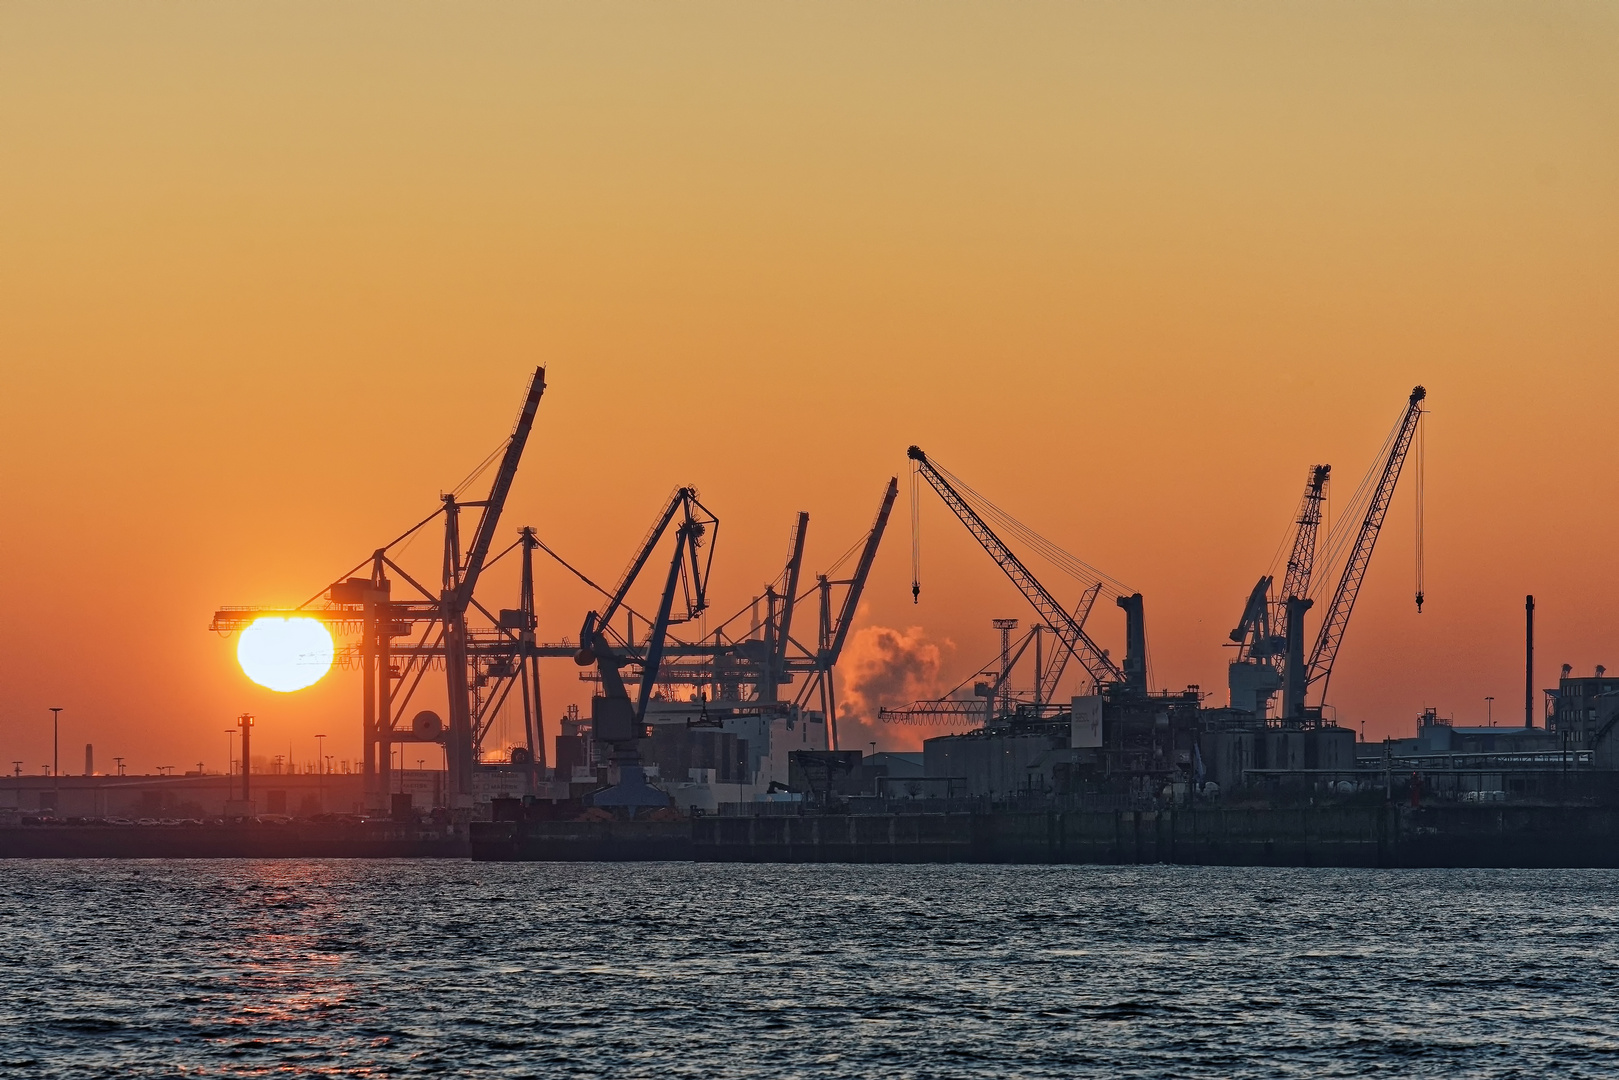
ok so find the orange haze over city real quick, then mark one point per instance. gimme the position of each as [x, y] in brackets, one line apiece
[275, 276]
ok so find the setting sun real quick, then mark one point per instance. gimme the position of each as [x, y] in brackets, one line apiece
[285, 654]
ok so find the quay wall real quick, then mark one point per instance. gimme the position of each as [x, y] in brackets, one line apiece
[1525, 836]
[235, 841]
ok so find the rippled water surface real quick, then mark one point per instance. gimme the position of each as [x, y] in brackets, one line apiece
[656, 970]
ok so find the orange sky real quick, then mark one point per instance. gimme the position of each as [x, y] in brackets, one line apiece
[272, 276]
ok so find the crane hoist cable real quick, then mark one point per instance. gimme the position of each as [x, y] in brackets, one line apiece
[1065, 561]
[916, 538]
[1421, 483]
[1380, 492]
[1071, 634]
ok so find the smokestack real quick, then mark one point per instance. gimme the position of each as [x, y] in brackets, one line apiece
[1529, 661]
[89, 760]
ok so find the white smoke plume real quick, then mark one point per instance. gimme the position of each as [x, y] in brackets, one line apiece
[882, 668]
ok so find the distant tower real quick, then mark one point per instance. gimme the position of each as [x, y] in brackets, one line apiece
[1006, 626]
[1529, 661]
[89, 760]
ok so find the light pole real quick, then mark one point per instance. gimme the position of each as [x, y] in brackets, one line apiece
[320, 753]
[1489, 710]
[245, 724]
[56, 757]
[230, 780]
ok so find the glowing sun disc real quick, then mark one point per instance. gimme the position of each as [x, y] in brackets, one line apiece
[285, 654]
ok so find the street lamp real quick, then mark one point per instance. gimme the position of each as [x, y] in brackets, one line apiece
[56, 741]
[320, 770]
[1489, 709]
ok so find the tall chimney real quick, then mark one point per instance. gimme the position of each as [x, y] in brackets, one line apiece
[1529, 661]
[89, 760]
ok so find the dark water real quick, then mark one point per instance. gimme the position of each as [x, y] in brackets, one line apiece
[433, 968]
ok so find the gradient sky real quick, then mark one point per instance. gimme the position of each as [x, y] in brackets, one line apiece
[272, 276]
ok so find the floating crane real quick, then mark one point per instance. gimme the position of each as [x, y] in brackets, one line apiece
[1069, 629]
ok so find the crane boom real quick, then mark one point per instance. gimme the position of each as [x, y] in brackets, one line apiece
[1059, 659]
[795, 562]
[1092, 658]
[857, 584]
[644, 552]
[457, 598]
[496, 502]
[1301, 563]
[1336, 619]
[690, 535]
[1253, 634]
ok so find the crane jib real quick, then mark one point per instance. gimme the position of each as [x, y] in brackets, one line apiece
[1336, 619]
[1096, 662]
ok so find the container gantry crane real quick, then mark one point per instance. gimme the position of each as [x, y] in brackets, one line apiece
[472, 657]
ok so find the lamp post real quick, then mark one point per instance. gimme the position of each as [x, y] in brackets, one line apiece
[56, 758]
[245, 723]
[1489, 707]
[230, 779]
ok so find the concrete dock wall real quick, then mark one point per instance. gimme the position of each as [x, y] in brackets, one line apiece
[1319, 836]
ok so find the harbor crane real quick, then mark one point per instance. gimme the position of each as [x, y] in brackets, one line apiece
[616, 721]
[1335, 621]
[749, 667]
[833, 634]
[1271, 634]
[481, 664]
[461, 579]
[1069, 629]
[1270, 622]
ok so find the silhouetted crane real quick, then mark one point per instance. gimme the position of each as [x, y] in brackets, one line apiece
[1336, 620]
[1069, 631]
